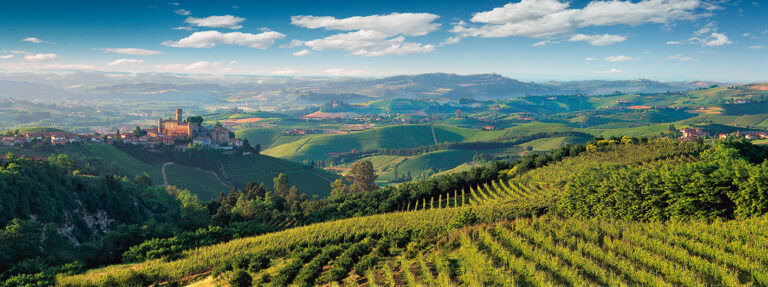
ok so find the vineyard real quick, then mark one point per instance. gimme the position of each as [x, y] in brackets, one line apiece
[543, 251]
[506, 232]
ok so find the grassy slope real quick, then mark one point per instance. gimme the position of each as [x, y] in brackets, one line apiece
[263, 137]
[206, 185]
[260, 168]
[316, 147]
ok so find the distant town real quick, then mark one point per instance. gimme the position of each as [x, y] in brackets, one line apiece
[172, 131]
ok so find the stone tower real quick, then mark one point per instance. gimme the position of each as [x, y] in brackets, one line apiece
[179, 117]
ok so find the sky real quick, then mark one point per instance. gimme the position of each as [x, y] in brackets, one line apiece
[535, 40]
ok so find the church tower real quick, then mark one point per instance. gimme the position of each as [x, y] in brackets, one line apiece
[179, 117]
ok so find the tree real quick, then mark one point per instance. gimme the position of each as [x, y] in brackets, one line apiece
[143, 179]
[195, 119]
[294, 199]
[138, 132]
[281, 185]
[362, 175]
[338, 187]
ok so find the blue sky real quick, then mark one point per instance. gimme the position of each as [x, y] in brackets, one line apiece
[529, 40]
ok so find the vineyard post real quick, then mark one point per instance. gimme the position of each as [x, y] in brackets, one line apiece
[424, 203]
[432, 202]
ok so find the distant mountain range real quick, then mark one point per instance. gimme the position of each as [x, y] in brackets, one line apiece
[97, 85]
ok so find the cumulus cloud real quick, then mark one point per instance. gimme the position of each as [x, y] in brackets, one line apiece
[619, 58]
[68, 67]
[598, 40]
[182, 12]
[451, 41]
[32, 40]
[713, 40]
[284, 72]
[40, 57]
[708, 36]
[375, 35]
[196, 67]
[755, 47]
[548, 18]
[225, 21]
[125, 62]
[131, 51]
[607, 72]
[343, 72]
[293, 44]
[303, 52]
[4, 57]
[681, 58]
[208, 39]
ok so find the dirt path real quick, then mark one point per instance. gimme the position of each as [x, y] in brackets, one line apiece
[433, 133]
[165, 177]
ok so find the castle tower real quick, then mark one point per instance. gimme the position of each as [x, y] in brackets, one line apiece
[179, 117]
[160, 125]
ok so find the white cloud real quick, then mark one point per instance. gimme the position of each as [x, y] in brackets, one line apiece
[547, 18]
[681, 58]
[590, 59]
[125, 62]
[755, 47]
[284, 72]
[713, 40]
[293, 44]
[598, 40]
[32, 40]
[407, 24]
[131, 51]
[541, 43]
[184, 28]
[225, 21]
[40, 57]
[343, 72]
[451, 41]
[746, 34]
[674, 42]
[196, 67]
[5, 57]
[619, 58]
[301, 53]
[375, 35]
[611, 71]
[68, 67]
[182, 12]
[208, 39]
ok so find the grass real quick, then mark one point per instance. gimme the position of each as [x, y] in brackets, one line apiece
[259, 168]
[436, 161]
[317, 147]
[263, 137]
[203, 183]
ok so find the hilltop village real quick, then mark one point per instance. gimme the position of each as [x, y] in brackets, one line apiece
[172, 131]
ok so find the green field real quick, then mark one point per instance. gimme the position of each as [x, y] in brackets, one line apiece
[203, 183]
[259, 168]
[317, 147]
[263, 137]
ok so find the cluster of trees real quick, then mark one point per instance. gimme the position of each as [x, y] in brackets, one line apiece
[729, 181]
[256, 203]
[52, 216]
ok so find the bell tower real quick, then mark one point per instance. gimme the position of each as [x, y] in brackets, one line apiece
[179, 117]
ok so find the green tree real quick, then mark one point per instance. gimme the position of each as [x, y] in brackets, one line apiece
[195, 119]
[362, 175]
[138, 132]
[338, 187]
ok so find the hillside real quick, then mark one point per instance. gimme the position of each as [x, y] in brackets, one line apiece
[205, 180]
[508, 232]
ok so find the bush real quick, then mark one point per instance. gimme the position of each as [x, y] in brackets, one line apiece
[241, 278]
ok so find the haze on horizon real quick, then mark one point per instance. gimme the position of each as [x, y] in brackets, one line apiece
[530, 40]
